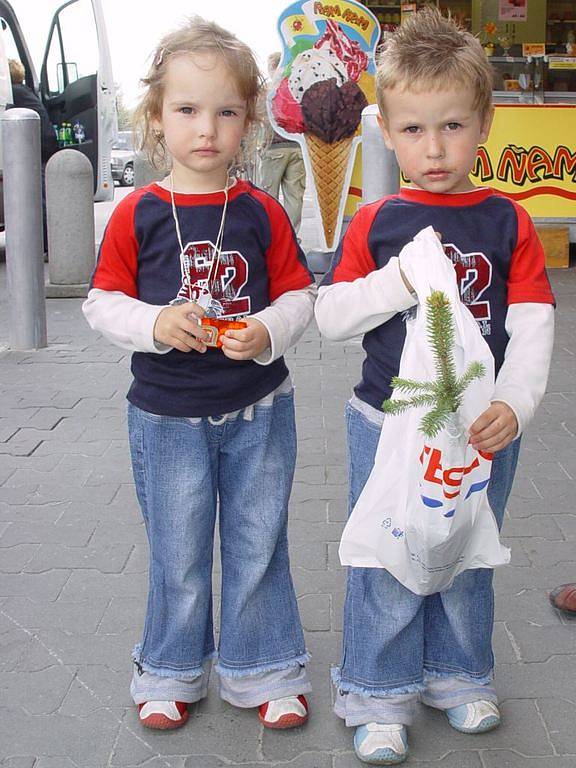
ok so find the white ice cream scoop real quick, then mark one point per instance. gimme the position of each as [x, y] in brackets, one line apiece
[314, 66]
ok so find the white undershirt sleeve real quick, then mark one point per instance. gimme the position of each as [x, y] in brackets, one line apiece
[521, 381]
[129, 323]
[286, 319]
[126, 322]
[348, 309]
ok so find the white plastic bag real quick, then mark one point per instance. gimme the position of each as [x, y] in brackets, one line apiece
[423, 514]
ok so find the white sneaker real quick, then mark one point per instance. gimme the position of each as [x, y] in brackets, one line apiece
[287, 712]
[381, 743]
[163, 715]
[476, 717]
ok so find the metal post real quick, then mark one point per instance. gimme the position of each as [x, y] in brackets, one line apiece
[23, 221]
[380, 171]
[70, 207]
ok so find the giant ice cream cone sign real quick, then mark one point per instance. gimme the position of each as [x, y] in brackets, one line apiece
[324, 81]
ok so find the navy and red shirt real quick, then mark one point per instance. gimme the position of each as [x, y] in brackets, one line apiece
[492, 243]
[260, 260]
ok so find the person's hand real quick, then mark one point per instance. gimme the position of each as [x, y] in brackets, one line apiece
[494, 429]
[407, 283]
[177, 326]
[246, 343]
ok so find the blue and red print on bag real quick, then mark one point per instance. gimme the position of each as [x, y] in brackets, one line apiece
[441, 485]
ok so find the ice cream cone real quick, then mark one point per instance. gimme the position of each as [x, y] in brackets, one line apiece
[329, 165]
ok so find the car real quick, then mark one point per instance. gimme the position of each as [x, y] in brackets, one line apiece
[122, 159]
[76, 83]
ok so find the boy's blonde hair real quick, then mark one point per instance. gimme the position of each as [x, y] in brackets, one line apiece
[430, 52]
[196, 36]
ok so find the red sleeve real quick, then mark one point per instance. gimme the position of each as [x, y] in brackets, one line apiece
[287, 268]
[117, 266]
[353, 258]
[527, 279]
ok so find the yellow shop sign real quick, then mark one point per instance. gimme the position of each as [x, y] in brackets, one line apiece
[531, 157]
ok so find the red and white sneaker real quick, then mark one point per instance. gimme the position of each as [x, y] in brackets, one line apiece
[289, 712]
[163, 715]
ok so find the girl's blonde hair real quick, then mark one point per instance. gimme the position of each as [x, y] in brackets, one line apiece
[196, 36]
[430, 52]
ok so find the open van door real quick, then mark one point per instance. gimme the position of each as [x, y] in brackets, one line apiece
[77, 86]
[5, 84]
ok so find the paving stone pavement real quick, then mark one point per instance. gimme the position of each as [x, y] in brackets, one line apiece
[73, 571]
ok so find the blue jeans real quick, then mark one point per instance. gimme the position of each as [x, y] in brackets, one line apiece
[394, 641]
[182, 468]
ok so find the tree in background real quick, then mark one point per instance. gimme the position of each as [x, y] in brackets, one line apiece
[125, 114]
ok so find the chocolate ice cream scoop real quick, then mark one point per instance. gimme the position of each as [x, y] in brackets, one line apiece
[331, 112]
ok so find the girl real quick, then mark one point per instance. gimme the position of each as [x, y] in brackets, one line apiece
[210, 414]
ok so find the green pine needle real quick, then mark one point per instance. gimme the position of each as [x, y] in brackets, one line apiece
[407, 385]
[475, 371]
[441, 337]
[434, 421]
[394, 407]
[444, 395]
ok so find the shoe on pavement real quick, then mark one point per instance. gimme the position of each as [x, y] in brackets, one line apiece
[381, 743]
[289, 712]
[163, 715]
[564, 598]
[477, 717]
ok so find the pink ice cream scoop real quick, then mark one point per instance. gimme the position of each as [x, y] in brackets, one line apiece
[286, 110]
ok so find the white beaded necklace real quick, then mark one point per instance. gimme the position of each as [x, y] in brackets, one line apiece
[205, 297]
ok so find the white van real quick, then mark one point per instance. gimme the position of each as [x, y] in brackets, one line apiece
[75, 84]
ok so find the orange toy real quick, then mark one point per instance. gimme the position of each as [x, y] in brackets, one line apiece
[217, 328]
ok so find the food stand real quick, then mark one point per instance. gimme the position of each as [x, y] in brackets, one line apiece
[531, 152]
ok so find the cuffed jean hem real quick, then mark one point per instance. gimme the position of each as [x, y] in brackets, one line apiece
[356, 709]
[446, 691]
[149, 687]
[172, 672]
[224, 670]
[266, 686]
[346, 686]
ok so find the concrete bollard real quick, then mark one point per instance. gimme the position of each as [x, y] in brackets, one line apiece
[144, 173]
[70, 208]
[380, 171]
[23, 222]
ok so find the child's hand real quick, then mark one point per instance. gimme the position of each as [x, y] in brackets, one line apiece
[247, 343]
[494, 429]
[407, 283]
[176, 326]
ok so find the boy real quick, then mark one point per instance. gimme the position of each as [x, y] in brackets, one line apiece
[434, 87]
